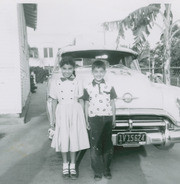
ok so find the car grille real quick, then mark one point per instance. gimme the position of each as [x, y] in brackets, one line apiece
[140, 124]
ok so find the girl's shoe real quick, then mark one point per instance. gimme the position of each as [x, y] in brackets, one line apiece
[73, 172]
[65, 171]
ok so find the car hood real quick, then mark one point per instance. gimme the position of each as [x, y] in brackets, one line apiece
[145, 95]
[125, 81]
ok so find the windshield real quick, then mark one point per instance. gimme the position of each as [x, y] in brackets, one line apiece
[112, 58]
[124, 62]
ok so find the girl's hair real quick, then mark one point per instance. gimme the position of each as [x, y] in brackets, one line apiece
[67, 60]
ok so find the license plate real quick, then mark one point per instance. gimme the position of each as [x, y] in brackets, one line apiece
[125, 138]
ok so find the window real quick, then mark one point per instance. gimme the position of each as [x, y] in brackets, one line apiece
[33, 52]
[48, 52]
[45, 53]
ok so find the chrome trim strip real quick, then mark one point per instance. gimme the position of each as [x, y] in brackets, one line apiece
[145, 129]
[142, 111]
[122, 121]
[141, 124]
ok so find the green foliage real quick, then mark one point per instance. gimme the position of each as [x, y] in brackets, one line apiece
[175, 44]
[158, 52]
[41, 74]
[175, 53]
[140, 22]
[33, 87]
[175, 57]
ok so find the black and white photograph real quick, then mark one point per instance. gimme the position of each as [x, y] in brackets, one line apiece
[89, 92]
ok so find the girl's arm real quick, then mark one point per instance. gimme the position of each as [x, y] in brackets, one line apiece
[54, 104]
[113, 113]
[86, 107]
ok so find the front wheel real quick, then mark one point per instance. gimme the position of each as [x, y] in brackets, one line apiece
[163, 147]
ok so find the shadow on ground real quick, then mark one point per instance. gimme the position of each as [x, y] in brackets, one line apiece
[2, 135]
[37, 103]
[126, 166]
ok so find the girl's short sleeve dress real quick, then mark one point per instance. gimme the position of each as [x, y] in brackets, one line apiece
[70, 132]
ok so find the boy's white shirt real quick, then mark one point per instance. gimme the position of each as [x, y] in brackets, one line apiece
[93, 109]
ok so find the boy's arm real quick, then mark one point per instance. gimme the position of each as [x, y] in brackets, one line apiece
[113, 113]
[86, 107]
[113, 96]
[81, 101]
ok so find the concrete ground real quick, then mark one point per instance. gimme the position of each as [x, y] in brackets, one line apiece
[27, 158]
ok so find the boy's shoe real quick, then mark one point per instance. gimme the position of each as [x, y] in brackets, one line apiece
[73, 172]
[108, 175]
[97, 177]
[65, 172]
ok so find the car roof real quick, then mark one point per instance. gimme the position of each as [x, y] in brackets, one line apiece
[90, 50]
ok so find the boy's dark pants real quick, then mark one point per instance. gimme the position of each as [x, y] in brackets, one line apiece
[101, 143]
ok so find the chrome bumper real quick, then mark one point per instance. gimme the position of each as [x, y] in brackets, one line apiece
[153, 138]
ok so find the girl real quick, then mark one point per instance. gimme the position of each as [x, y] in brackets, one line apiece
[70, 131]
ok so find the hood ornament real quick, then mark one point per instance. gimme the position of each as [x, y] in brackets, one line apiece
[128, 97]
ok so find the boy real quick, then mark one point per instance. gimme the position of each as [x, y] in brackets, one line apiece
[100, 118]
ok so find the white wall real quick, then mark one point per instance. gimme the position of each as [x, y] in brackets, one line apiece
[10, 83]
[24, 55]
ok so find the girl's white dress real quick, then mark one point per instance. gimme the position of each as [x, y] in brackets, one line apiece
[70, 132]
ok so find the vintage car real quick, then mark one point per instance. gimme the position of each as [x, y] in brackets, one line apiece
[146, 112]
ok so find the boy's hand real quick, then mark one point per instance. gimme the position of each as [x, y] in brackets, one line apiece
[113, 124]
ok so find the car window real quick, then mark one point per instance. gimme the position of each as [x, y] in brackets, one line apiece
[124, 62]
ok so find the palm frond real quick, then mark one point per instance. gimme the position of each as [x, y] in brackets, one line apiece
[140, 22]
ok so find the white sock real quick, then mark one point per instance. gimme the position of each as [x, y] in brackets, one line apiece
[65, 165]
[72, 166]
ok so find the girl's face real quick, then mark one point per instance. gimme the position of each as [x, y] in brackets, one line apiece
[67, 70]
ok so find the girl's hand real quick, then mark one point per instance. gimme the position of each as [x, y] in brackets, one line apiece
[52, 127]
[52, 124]
[88, 126]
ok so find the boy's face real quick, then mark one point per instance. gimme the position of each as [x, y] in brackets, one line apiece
[98, 73]
[67, 70]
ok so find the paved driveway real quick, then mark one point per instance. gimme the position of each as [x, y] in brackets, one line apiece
[26, 156]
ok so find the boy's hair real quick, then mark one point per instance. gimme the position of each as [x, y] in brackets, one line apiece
[98, 64]
[67, 60]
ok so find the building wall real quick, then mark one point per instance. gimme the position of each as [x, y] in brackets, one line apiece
[10, 86]
[14, 70]
[44, 61]
[24, 55]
